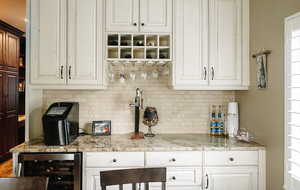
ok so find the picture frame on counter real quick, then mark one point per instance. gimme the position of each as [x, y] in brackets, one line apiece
[101, 128]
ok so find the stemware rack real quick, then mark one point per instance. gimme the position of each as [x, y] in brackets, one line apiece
[138, 47]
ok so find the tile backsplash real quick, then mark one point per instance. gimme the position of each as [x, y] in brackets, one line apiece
[179, 111]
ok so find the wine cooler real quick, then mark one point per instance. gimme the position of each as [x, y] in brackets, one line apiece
[62, 169]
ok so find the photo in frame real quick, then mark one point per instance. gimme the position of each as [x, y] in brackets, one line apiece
[101, 128]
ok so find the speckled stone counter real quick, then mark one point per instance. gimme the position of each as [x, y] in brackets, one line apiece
[123, 143]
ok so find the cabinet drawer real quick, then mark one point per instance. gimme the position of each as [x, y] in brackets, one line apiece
[115, 159]
[227, 158]
[184, 176]
[166, 159]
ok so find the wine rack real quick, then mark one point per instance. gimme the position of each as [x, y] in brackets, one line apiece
[144, 47]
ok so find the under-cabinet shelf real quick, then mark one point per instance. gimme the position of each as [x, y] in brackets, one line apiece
[142, 47]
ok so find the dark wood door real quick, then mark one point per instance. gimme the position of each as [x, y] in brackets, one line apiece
[11, 132]
[11, 94]
[2, 95]
[2, 111]
[10, 120]
[11, 109]
[2, 48]
[12, 52]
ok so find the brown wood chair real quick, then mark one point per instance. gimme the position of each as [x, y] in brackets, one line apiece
[134, 177]
[24, 183]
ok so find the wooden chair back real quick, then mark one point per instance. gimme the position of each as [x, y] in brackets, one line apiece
[24, 183]
[134, 177]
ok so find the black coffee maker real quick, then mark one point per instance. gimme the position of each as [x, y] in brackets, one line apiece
[61, 123]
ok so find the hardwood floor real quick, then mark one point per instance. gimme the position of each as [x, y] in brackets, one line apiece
[6, 169]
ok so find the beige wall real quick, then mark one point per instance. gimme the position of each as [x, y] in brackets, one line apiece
[262, 110]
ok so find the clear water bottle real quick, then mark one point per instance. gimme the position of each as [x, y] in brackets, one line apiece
[233, 119]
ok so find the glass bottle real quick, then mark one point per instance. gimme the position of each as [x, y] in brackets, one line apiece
[220, 119]
[213, 121]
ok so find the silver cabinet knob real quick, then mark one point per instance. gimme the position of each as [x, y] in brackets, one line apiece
[114, 160]
[62, 72]
[231, 159]
[173, 178]
[205, 72]
[173, 160]
[212, 73]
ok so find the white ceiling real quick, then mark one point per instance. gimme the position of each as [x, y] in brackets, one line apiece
[13, 12]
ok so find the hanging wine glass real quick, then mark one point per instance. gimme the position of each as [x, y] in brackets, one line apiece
[110, 72]
[132, 72]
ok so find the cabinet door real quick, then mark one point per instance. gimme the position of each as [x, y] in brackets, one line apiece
[11, 89]
[2, 108]
[156, 15]
[231, 178]
[48, 41]
[10, 130]
[190, 67]
[85, 34]
[10, 122]
[225, 42]
[12, 52]
[122, 15]
[2, 95]
[2, 47]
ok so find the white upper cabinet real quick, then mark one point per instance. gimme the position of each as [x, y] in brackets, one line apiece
[211, 40]
[48, 41]
[156, 15]
[139, 16]
[67, 44]
[122, 15]
[190, 69]
[226, 40]
[85, 43]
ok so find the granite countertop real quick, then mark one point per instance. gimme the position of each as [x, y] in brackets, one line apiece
[123, 143]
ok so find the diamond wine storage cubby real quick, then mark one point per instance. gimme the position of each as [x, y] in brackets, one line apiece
[139, 47]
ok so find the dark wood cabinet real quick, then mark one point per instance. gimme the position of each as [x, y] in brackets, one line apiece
[11, 93]
[8, 112]
[2, 95]
[2, 112]
[2, 48]
[9, 76]
[12, 52]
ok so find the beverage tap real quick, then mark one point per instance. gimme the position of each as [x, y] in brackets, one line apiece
[138, 105]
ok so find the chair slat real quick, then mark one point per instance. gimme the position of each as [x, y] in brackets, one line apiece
[146, 186]
[134, 186]
[134, 177]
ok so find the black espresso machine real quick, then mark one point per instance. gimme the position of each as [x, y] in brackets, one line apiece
[61, 123]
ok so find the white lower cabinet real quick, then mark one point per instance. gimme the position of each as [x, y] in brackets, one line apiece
[231, 178]
[186, 170]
